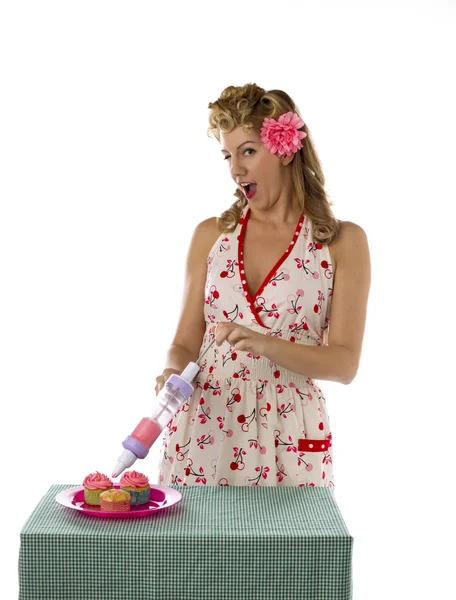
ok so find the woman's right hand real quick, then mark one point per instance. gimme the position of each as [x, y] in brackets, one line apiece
[163, 378]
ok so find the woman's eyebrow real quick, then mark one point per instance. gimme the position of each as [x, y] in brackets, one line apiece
[247, 142]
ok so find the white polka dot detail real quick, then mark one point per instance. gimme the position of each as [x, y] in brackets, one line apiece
[306, 445]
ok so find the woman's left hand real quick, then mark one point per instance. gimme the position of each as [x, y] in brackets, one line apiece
[242, 338]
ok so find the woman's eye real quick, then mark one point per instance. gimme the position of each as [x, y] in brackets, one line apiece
[245, 150]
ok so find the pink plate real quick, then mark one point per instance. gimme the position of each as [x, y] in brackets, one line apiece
[160, 497]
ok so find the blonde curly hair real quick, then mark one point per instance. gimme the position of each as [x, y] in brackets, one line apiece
[247, 106]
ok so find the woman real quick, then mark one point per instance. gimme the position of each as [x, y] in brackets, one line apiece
[283, 286]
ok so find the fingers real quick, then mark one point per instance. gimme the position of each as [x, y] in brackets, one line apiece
[163, 378]
[225, 329]
[158, 385]
[219, 337]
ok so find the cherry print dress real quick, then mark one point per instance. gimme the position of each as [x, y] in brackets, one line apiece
[249, 421]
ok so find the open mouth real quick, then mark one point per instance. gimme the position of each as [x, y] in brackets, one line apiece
[249, 190]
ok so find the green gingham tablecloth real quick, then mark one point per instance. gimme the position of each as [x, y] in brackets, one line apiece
[217, 543]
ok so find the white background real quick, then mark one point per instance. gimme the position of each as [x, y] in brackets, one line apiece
[106, 169]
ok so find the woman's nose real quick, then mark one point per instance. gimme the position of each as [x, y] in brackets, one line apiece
[237, 169]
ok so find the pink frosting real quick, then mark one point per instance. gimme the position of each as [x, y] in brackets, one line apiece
[97, 481]
[134, 479]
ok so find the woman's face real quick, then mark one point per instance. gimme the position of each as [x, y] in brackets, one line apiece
[250, 161]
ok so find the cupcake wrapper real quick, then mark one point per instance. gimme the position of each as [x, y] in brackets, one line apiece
[141, 497]
[115, 506]
[92, 496]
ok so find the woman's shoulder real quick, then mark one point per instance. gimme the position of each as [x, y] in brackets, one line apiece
[208, 232]
[351, 240]
[209, 228]
[350, 232]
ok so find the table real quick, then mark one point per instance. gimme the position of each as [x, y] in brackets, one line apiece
[218, 543]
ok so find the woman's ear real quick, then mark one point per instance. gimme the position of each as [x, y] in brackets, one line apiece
[286, 160]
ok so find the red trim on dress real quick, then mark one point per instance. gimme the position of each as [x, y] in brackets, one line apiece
[291, 245]
[305, 445]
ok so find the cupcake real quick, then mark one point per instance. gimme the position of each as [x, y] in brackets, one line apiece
[115, 500]
[137, 485]
[94, 484]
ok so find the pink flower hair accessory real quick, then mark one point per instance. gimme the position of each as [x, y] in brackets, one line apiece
[282, 137]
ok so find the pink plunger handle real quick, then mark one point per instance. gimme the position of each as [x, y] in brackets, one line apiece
[146, 432]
